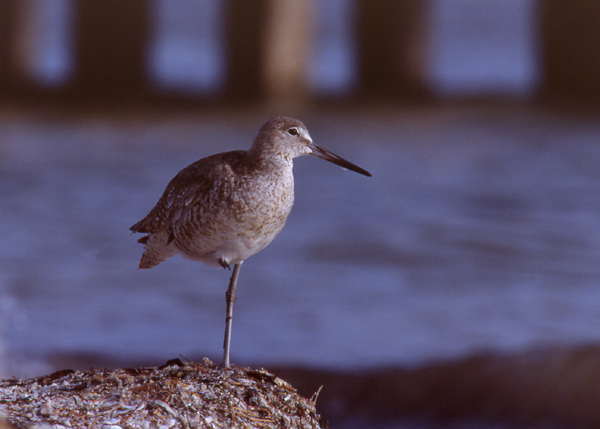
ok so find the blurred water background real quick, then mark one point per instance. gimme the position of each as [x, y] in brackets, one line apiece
[476, 235]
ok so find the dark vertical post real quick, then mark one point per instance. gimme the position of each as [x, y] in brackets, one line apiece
[245, 22]
[392, 47]
[571, 49]
[8, 20]
[111, 40]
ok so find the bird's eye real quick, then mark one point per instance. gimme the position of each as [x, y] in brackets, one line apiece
[292, 131]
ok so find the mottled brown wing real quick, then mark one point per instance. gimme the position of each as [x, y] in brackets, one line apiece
[187, 187]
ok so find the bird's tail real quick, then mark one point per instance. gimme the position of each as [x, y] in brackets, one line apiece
[156, 250]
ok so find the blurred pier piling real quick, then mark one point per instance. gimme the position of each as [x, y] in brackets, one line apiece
[111, 41]
[267, 48]
[571, 49]
[392, 48]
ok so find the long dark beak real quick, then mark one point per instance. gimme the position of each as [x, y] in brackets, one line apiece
[332, 157]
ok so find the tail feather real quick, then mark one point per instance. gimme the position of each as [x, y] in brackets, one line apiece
[140, 226]
[156, 250]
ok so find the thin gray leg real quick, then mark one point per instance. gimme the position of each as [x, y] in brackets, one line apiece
[230, 297]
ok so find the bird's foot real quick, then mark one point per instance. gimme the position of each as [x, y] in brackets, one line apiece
[224, 264]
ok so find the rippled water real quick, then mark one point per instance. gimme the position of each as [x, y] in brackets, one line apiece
[478, 231]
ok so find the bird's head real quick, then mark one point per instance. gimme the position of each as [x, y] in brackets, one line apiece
[289, 137]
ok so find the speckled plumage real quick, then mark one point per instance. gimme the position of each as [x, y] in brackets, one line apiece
[226, 207]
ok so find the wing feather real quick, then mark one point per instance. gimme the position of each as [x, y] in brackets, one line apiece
[192, 186]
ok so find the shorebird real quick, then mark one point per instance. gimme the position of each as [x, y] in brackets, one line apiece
[224, 208]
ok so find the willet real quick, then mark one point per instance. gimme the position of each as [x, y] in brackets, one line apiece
[226, 207]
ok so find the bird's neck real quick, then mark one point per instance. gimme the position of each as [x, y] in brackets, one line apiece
[273, 162]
